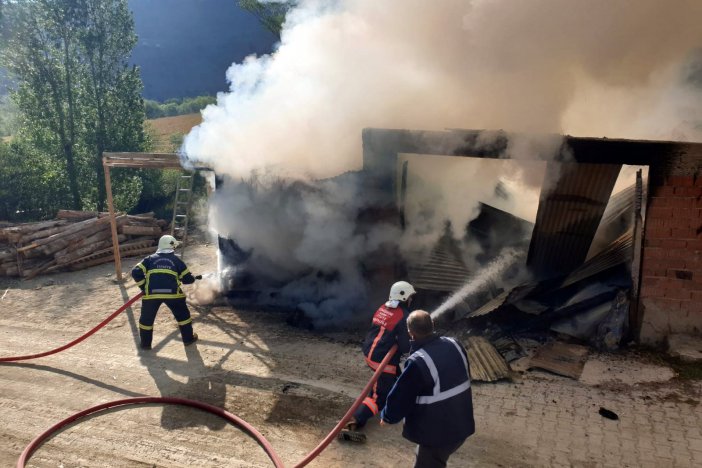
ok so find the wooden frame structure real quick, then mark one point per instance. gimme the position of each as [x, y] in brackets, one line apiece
[131, 160]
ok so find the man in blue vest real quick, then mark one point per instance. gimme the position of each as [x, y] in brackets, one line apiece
[432, 394]
[388, 328]
[160, 276]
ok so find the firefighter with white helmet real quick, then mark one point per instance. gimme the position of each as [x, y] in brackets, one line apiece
[160, 277]
[388, 328]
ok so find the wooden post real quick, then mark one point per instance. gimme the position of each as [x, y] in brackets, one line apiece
[113, 221]
[635, 317]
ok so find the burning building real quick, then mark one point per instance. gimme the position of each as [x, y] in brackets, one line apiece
[582, 236]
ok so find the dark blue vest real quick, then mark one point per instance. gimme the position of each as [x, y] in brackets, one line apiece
[443, 412]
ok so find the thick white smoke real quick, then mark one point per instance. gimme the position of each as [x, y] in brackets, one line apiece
[599, 68]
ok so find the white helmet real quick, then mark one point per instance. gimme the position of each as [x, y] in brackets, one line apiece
[167, 242]
[401, 291]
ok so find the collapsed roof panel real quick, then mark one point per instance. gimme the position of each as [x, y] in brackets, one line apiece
[568, 215]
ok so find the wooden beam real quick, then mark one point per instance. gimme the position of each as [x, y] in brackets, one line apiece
[113, 221]
[142, 160]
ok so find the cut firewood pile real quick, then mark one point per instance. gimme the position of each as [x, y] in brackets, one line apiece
[73, 241]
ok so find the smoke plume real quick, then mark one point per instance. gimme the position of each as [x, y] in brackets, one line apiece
[603, 68]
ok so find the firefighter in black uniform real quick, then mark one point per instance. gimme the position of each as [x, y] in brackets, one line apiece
[160, 276]
[388, 328]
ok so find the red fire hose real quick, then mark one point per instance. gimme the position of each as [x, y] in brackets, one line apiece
[34, 444]
[79, 339]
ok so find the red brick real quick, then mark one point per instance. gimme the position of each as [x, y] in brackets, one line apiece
[688, 191]
[666, 303]
[676, 254]
[696, 296]
[683, 233]
[692, 307]
[653, 242]
[685, 213]
[654, 253]
[683, 275]
[679, 223]
[663, 191]
[678, 293]
[676, 244]
[694, 245]
[680, 181]
[682, 202]
[658, 233]
[660, 212]
[656, 222]
[652, 292]
[673, 263]
[698, 181]
[653, 272]
[693, 263]
[658, 201]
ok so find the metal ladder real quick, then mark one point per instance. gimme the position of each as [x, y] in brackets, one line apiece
[181, 209]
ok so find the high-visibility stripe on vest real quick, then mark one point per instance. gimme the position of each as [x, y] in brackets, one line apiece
[163, 293]
[437, 394]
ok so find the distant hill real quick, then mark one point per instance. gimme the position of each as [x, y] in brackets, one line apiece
[185, 46]
[167, 132]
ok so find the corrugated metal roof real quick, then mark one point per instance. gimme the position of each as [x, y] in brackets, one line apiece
[620, 251]
[443, 270]
[568, 215]
[486, 364]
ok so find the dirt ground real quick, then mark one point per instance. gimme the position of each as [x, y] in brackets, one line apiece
[292, 384]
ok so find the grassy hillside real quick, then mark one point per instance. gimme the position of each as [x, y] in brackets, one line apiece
[168, 132]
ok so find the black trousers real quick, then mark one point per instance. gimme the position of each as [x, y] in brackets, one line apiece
[149, 308]
[435, 457]
[375, 401]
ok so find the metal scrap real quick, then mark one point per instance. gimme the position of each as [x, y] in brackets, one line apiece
[486, 364]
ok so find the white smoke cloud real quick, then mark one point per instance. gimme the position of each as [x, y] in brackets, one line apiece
[598, 68]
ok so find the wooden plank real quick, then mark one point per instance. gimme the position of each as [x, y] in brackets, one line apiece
[561, 358]
[113, 221]
[73, 215]
[43, 233]
[137, 160]
[141, 230]
[31, 273]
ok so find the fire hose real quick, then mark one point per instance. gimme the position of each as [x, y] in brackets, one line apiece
[80, 338]
[232, 418]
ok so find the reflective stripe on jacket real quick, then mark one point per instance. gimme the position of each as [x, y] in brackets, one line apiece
[389, 327]
[160, 276]
[433, 394]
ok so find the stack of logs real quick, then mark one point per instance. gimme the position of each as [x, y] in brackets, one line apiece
[73, 241]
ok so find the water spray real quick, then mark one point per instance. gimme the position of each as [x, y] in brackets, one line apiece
[489, 273]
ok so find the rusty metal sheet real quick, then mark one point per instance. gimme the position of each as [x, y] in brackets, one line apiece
[561, 358]
[486, 364]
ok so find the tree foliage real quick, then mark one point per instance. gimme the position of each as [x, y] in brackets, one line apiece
[271, 14]
[155, 109]
[76, 95]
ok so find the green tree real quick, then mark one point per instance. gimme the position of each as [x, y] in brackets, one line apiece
[41, 53]
[271, 14]
[113, 100]
[76, 95]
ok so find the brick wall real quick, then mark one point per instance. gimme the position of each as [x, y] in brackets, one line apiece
[671, 269]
